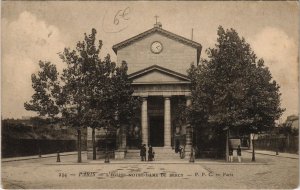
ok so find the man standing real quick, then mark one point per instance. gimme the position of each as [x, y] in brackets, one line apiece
[239, 153]
[143, 152]
[150, 153]
[230, 154]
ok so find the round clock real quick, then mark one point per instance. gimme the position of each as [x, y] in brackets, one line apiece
[156, 47]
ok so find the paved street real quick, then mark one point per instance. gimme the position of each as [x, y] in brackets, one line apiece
[267, 172]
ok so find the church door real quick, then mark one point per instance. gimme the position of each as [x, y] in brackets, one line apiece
[156, 131]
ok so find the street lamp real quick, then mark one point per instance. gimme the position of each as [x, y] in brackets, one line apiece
[276, 139]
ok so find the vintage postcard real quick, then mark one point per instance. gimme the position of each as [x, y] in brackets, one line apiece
[149, 95]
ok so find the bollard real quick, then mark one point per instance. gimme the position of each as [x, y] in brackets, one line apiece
[106, 158]
[58, 157]
[40, 153]
[192, 159]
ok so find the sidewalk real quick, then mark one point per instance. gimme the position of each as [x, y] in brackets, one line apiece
[37, 156]
[273, 153]
[246, 160]
[72, 161]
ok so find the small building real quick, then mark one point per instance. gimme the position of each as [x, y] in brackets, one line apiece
[158, 61]
[293, 121]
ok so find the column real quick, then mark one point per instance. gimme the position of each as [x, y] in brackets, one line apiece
[123, 137]
[167, 122]
[144, 121]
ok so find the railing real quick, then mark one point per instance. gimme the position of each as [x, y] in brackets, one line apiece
[284, 144]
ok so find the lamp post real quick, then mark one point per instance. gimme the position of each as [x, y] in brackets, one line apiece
[276, 139]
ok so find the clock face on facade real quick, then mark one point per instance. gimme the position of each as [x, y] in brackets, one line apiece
[156, 47]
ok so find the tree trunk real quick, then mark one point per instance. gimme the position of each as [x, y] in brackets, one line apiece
[288, 143]
[227, 145]
[79, 145]
[276, 140]
[253, 151]
[94, 143]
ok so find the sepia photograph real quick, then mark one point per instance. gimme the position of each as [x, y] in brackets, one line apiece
[149, 94]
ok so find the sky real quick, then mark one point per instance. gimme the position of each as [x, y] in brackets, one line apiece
[39, 30]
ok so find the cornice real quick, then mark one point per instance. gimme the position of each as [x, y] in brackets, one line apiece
[142, 72]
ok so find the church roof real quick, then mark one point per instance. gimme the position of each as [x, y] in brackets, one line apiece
[163, 32]
[183, 78]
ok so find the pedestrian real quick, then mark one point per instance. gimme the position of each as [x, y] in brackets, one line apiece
[230, 154]
[143, 152]
[58, 157]
[150, 153]
[192, 155]
[239, 153]
[181, 152]
[177, 146]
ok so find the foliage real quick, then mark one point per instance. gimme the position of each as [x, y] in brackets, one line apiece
[124, 102]
[45, 83]
[91, 93]
[181, 113]
[82, 63]
[286, 128]
[232, 88]
[31, 129]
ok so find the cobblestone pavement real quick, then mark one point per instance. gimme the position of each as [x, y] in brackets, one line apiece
[267, 172]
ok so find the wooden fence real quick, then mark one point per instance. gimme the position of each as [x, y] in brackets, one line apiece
[284, 144]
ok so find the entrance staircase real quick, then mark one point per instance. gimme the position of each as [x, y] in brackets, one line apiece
[161, 153]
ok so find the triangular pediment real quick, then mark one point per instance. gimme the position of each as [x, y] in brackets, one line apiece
[158, 75]
[159, 30]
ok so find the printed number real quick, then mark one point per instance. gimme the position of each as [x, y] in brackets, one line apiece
[62, 175]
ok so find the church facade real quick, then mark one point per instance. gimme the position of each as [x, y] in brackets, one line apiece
[158, 61]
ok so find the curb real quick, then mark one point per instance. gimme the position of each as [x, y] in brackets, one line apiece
[150, 163]
[33, 158]
[274, 155]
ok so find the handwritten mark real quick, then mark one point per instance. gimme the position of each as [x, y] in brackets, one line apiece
[120, 21]
[121, 14]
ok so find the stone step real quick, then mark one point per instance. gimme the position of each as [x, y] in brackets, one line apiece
[132, 154]
[161, 153]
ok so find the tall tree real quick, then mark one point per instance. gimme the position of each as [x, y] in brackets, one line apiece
[109, 101]
[46, 100]
[124, 102]
[81, 62]
[91, 93]
[232, 89]
[96, 79]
